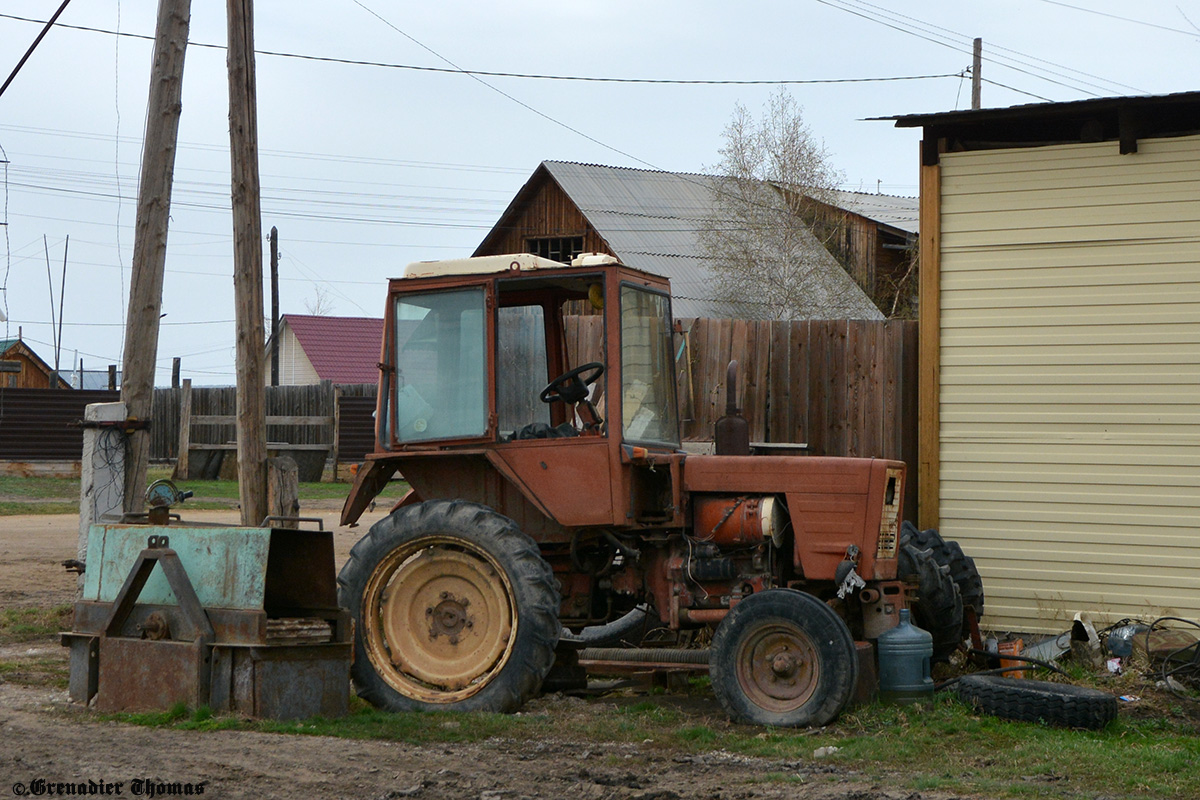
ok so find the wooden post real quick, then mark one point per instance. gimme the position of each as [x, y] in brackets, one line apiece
[929, 424]
[247, 264]
[112, 377]
[337, 428]
[150, 237]
[283, 482]
[185, 431]
[176, 363]
[976, 76]
[274, 306]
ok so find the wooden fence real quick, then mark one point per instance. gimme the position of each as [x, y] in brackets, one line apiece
[42, 424]
[843, 387]
[311, 400]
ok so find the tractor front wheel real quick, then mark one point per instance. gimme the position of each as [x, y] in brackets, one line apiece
[454, 609]
[783, 658]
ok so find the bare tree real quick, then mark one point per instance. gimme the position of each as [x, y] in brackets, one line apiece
[320, 305]
[768, 234]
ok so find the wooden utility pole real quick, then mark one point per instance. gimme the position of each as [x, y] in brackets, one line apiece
[150, 237]
[976, 78]
[247, 264]
[274, 306]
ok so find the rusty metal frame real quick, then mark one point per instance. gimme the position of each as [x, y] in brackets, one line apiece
[123, 662]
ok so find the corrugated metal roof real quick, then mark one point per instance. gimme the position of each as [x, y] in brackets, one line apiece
[1034, 111]
[341, 349]
[899, 212]
[652, 220]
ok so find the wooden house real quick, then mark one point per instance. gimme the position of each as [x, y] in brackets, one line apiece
[320, 348]
[22, 368]
[652, 219]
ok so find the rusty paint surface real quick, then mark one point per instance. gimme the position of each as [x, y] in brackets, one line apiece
[833, 503]
[142, 675]
[565, 476]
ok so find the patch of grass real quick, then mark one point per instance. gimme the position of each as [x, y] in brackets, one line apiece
[40, 671]
[28, 624]
[19, 488]
[700, 735]
[39, 495]
[943, 745]
[946, 745]
[13, 508]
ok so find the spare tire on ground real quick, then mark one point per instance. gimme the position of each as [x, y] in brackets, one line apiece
[1058, 704]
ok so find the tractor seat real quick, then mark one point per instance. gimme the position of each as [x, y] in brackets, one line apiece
[540, 430]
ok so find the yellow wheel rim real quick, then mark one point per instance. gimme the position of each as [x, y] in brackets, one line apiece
[438, 619]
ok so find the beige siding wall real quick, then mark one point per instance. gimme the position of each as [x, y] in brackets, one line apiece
[1070, 378]
[294, 366]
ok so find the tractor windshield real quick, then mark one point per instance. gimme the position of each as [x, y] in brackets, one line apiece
[648, 409]
[441, 369]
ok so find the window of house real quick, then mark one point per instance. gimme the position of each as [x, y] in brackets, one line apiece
[556, 248]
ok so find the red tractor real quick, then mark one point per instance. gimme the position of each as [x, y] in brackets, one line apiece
[543, 519]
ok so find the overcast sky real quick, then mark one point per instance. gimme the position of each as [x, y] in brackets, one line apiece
[367, 167]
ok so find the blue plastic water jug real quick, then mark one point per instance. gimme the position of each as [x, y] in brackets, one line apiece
[904, 657]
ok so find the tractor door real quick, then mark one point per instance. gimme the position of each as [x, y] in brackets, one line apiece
[551, 365]
[650, 439]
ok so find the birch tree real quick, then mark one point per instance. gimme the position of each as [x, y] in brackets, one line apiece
[767, 236]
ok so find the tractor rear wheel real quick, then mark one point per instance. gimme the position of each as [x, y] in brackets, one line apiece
[949, 553]
[783, 658]
[454, 609]
[939, 607]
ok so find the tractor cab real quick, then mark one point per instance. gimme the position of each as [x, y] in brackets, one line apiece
[557, 378]
[531, 407]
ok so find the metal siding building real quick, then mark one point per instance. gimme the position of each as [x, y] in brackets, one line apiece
[1064, 398]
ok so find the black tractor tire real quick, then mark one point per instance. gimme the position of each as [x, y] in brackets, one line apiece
[454, 608]
[949, 553]
[938, 607]
[783, 658]
[1056, 704]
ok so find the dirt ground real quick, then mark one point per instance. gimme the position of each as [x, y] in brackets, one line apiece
[46, 738]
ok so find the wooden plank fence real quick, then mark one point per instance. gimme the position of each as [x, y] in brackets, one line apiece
[843, 387]
[846, 388]
[291, 410]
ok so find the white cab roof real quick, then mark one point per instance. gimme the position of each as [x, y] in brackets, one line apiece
[480, 265]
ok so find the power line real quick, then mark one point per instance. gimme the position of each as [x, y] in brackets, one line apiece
[42, 35]
[122, 324]
[927, 32]
[309, 156]
[995, 47]
[1192, 33]
[522, 75]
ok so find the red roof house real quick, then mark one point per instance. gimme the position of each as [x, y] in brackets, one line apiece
[337, 349]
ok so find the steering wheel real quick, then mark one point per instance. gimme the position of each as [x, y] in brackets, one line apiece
[571, 387]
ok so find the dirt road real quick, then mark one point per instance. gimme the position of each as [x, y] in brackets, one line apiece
[33, 547]
[46, 739]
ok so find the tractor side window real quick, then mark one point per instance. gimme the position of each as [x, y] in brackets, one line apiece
[441, 367]
[648, 410]
[520, 367]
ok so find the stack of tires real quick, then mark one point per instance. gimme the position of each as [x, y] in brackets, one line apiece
[947, 583]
